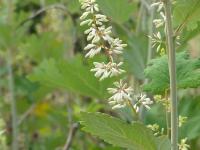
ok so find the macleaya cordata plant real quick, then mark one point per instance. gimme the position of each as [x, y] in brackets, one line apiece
[100, 39]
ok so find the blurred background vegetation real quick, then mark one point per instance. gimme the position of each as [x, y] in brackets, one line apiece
[41, 51]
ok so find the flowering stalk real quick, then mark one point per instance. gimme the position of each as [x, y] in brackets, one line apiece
[100, 39]
[172, 72]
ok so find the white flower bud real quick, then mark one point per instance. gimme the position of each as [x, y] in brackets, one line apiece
[89, 21]
[84, 15]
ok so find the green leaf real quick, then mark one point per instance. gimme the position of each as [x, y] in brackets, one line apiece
[188, 73]
[187, 36]
[191, 128]
[118, 10]
[189, 107]
[187, 12]
[135, 56]
[163, 143]
[70, 75]
[133, 136]
[73, 6]
[43, 46]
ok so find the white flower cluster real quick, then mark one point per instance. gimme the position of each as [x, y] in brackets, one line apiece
[159, 4]
[142, 100]
[182, 120]
[121, 93]
[156, 41]
[156, 129]
[183, 145]
[101, 40]
[160, 22]
[98, 34]
[105, 70]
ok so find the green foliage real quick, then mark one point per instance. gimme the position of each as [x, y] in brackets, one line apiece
[70, 75]
[187, 37]
[163, 143]
[187, 12]
[47, 68]
[73, 6]
[118, 10]
[135, 56]
[189, 107]
[156, 115]
[39, 47]
[133, 136]
[6, 38]
[188, 73]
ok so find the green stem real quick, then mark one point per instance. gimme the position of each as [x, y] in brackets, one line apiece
[168, 124]
[11, 81]
[151, 28]
[13, 101]
[172, 72]
[167, 113]
[139, 20]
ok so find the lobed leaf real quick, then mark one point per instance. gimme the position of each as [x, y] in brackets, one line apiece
[70, 75]
[188, 73]
[133, 136]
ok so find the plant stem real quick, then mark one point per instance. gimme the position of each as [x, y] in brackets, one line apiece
[167, 113]
[172, 72]
[139, 20]
[151, 28]
[12, 100]
[71, 135]
[11, 80]
[168, 123]
[26, 114]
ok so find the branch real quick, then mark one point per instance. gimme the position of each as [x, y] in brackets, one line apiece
[70, 137]
[26, 114]
[44, 9]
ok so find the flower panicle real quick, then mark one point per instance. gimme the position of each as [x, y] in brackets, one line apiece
[100, 39]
